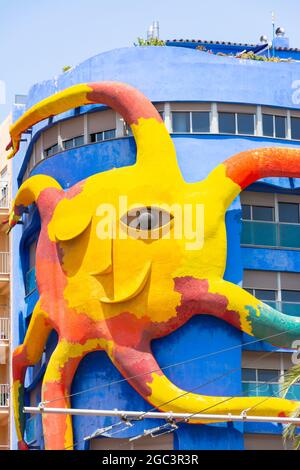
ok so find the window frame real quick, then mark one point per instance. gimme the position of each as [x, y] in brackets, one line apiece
[47, 155]
[274, 116]
[291, 118]
[191, 131]
[278, 292]
[73, 140]
[236, 123]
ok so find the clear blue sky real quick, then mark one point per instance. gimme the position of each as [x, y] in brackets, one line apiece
[39, 37]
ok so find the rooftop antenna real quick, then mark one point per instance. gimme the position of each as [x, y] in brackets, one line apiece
[273, 26]
[153, 31]
[150, 32]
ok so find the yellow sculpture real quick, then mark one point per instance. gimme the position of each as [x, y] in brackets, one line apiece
[130, 255]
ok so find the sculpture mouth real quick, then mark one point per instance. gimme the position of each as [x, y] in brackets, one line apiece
[129, 292]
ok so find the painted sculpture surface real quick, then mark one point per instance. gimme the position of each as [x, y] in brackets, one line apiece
[117, 293]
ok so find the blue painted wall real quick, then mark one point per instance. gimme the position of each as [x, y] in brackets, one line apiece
[167, 74]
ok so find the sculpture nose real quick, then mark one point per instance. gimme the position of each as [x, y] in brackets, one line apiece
[105, 260]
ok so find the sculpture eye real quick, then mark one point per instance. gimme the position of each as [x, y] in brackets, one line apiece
[147, 218]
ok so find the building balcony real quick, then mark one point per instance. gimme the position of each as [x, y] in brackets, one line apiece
[4, 329]
[270, 389]
[4, 263]
[4, 396]
[270, 234]
[289, 308]
[4, 403]
[4, 201]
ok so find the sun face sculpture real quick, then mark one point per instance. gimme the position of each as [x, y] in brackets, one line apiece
[146, 277]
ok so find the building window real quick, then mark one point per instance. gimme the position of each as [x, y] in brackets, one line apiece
[263, 295]
[274, 126]
[30, 280]
[105, 135]
[245, 123]
[261, 382]
[267, 382]
[250, 212]
[227, 123]
[187, 122]
[4, 202]
[50, 151]
[288, 212]
[200, 122]
[274, 226]
[181, 122]
[279, 290]
[295, 128]
[236, 123]
[74, 142]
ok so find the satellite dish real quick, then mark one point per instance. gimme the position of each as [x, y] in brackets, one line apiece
[263, 39]
[280, 31]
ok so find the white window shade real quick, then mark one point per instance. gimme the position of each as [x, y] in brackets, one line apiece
[260, 280]
[50, 137]
[101, 121]
[72, 128]
[290, 281]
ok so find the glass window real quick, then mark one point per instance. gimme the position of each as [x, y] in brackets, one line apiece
[78, 141]
[248, 375]
[181, 122]
[263, 294]
[288, 212]
[111, 134]
[295, 124]
[280, 126]
[68, 144]
[263, 213]
[75, 142]
[32, 254]
[245, 124]
[96, 137]
[51, 150]
[227, 123]
[268, 375]
[200, 122]
[290, 296]
[251, 291]
[246, 212]
[268, 128]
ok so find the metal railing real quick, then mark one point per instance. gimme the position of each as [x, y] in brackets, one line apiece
[4, 199]
[4, 263]
[4, 395]
[4, 202]
[4, 328]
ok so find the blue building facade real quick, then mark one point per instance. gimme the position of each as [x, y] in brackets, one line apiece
[214, 107]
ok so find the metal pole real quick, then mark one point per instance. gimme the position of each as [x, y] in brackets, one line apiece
[159, 415]
[273, 25]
